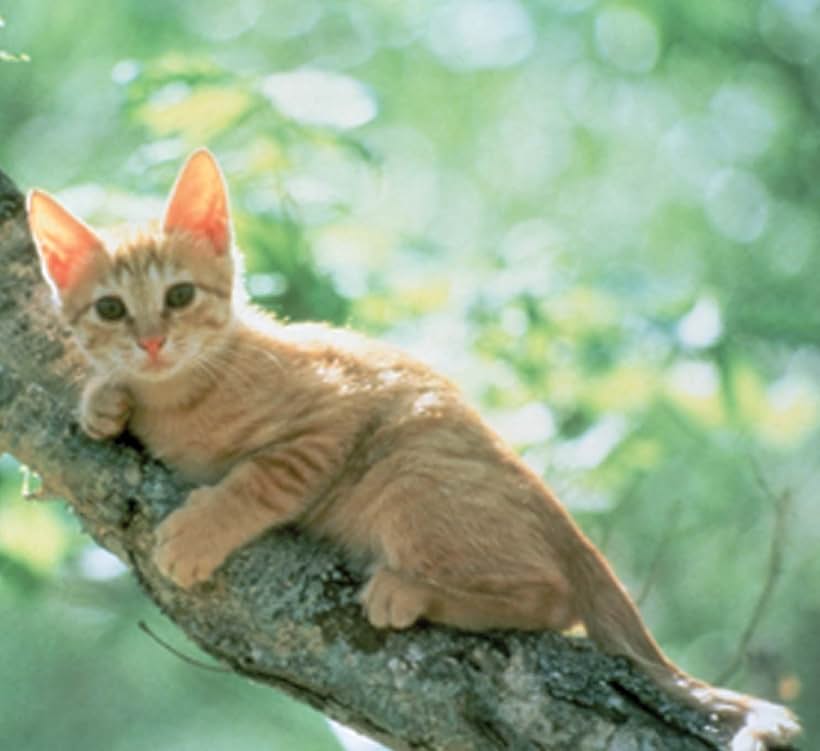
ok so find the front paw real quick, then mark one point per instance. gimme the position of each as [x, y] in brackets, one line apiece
[190, 542]
[104, 411]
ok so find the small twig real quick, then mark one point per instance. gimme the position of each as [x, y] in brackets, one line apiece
[781, 503]
[174, 651]
[669, 533]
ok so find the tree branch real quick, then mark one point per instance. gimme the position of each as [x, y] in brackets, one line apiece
[283, 611]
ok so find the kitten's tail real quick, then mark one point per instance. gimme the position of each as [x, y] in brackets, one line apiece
[613, 622]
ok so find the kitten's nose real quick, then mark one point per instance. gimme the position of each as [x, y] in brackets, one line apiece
[151, 344]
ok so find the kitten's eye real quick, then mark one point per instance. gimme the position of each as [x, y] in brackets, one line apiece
[110, 308]
[179, 295]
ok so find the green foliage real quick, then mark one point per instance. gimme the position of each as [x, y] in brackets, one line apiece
[8, 57]
[78, 659]
[598, 217]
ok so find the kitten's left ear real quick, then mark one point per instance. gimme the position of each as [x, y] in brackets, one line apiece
[199, 202]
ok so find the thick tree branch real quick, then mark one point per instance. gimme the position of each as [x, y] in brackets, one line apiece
[283, 611]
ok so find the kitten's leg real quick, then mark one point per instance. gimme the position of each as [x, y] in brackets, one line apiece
[475, 557]
[104, 409]
[214, 521]
[394, 599]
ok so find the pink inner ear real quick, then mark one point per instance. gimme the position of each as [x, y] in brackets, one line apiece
[60, 270]
[199, 202]
[64, 243]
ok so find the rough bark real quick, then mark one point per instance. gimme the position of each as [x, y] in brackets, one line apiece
[283, 611]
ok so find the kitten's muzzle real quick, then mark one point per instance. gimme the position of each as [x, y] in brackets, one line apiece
[152, 345]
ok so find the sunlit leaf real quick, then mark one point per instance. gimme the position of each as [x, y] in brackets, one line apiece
[198, 113]
[32, 532]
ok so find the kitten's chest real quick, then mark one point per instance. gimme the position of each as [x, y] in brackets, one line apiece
[190, 443]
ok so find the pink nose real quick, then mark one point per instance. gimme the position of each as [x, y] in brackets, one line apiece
[152, 345]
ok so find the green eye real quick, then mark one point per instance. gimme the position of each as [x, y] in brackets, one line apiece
[110, 308]
[180, 295]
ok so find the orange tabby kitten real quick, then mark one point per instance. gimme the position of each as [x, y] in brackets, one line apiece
[345, 437]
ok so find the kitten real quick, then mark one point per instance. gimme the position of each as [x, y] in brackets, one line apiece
[342, 436]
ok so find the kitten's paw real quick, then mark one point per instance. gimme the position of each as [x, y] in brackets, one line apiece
[392, 601]
[190, 543]
[104, 411]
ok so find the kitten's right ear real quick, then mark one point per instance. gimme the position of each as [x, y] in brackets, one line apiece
[66, 244]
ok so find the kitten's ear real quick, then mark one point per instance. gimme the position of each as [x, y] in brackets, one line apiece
[66, 245]
[199, 202]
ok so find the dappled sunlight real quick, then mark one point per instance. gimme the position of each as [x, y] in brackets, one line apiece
[737, 204]
[32, 533]
[202, 112]
[791, 29]
[745, 123]
[627, 39]
[320, 98]
[792, 413]
[99, 565]
[702, 326]
[591, 448]
[476, 34]
[521, 426]
[695, 386]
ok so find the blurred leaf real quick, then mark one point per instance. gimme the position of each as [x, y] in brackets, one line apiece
[8, 57]
[33, 532]
[22, 578]
[198, 113]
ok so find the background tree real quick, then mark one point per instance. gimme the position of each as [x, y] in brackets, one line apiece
[599, 218]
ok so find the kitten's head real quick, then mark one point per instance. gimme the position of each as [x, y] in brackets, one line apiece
[156, 302]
